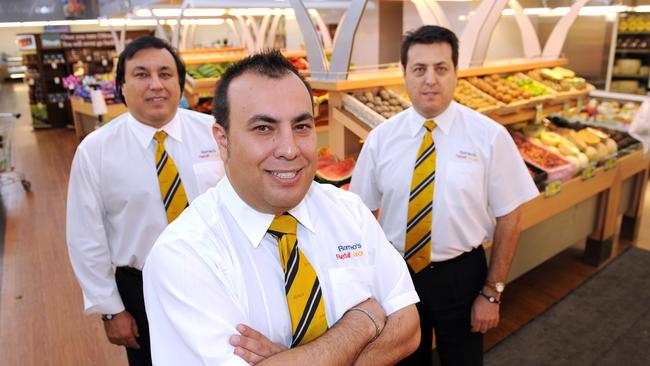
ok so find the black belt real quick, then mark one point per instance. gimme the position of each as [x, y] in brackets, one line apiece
[457, 258]
[130, 270]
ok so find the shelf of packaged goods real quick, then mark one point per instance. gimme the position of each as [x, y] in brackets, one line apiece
[633, 51]
[221, 57]
[633, 33]
[636, 77]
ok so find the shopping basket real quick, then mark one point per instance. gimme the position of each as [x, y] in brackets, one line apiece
[8, 174]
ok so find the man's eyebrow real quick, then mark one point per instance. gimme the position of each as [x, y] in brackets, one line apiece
[303, 117]
[262, 118]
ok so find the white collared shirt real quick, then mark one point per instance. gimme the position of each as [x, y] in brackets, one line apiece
[216, 267]
[115, 210]
[480, 175]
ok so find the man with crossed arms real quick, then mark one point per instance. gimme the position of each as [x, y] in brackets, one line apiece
[269, 267]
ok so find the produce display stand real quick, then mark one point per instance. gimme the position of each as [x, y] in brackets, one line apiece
[85, 119]
[196, 89]
[582, 209]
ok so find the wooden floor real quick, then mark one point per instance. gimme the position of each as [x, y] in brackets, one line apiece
[41, 320]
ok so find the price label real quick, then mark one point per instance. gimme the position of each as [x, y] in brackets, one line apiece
[539, 113]
[57, 80]
[610, 163]
[588, 172]
[71, 87]
[61, 105]
[552, 188]
[104, 62]
[565, 109]
[54, 66]
[31, 82]
[89, 58]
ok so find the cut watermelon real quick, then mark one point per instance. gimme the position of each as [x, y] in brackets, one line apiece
[326, 160]
[346, 186]
[336, 174]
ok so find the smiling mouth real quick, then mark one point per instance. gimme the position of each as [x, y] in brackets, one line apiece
[287, 176]
[156, 99]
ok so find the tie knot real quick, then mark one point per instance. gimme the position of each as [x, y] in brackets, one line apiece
[430, 125]
[283, 224]
[160, 136]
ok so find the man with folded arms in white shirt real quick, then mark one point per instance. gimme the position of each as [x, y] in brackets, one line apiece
[129, 179]
[269, 267]
[480, 182]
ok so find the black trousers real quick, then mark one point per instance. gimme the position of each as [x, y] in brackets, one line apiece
[129, 284]
[447, 292]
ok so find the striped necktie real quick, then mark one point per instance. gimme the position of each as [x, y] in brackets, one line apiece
[417, 250]
[304, 295]
[171, 187]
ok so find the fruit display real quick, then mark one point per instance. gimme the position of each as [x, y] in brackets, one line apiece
[634, 23]
[208, 70]
[382, 101]
[299, 63]
[622, 139]
[605, 112]
[528, 84]
[336, 173]
[470, 96]
[558, 78]
[539, 156]
[499, 88]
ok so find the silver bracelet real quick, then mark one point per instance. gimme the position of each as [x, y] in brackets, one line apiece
[371, 318]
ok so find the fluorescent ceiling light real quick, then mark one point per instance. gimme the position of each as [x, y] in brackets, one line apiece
[202, 21]
[167, 12]
[34, 24]
[642, 8]
[204, 12]
[10, 25]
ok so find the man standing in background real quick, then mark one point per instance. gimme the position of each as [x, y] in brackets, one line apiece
[129, 179]
[480, 182]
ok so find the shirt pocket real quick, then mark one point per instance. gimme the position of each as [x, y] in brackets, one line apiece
[350, 286]
[464, 184]
[208, 174]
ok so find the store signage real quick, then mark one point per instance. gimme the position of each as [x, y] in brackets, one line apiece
[610, 163]
[57, 29]
[552, 188]
[588, 172]
[26, 42]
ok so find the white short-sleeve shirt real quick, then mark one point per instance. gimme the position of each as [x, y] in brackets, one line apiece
[216, 266]
[115, 210]
[480, 175]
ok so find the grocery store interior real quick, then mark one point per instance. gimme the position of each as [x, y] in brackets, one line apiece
[568, 79]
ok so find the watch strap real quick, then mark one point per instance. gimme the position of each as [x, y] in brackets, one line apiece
[489, 298]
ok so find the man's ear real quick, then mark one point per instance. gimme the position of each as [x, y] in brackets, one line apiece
[221, 137]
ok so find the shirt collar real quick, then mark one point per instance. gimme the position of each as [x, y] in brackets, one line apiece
[253, 223]
[144, 133]
[444, 120]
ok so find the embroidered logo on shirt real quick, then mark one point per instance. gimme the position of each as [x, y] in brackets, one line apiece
[208, 154]
[466, 155]
[349, 251]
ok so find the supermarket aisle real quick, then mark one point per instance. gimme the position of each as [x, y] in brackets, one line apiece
[41, 320]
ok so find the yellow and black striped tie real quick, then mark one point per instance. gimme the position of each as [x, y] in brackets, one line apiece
[171, 187]
[417, 250]
[304, 295]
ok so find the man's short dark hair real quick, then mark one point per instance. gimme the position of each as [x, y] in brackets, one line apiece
[269, 63]
[143, 43]
[429, 34]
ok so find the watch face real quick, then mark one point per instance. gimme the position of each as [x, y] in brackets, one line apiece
[500, 286]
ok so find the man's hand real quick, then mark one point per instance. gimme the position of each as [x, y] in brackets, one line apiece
[485, 315]
[253, 346]
[122, 330]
